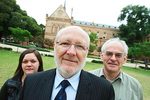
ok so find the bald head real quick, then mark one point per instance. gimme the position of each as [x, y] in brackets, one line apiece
[74, 31]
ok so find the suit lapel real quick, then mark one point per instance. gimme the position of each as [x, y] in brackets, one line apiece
[47, 86]
[83, 92]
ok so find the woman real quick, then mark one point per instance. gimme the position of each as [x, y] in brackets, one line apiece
[30, 61]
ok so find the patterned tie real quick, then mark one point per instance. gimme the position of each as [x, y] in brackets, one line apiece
[62, 94]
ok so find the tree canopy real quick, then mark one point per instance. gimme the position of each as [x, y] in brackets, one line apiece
[137, 26]
[11, 15]
[20, 35]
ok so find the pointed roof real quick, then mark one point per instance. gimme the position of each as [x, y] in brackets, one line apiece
[60, 13]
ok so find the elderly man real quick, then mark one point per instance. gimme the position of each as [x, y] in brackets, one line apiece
[114, 55]
[68, 81]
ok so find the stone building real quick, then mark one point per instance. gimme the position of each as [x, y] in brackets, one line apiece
[59, 19]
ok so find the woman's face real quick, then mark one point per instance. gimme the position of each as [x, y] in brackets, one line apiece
[30, 64]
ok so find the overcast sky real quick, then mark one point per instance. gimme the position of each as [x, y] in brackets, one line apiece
[97, 11]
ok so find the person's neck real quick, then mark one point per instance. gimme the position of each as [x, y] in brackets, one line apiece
[23, 77]
[111, 75]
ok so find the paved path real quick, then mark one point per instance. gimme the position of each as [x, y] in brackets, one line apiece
[134, 65]
[18, 49]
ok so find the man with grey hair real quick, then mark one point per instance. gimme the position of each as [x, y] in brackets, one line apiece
[114, 54]
[68, 81]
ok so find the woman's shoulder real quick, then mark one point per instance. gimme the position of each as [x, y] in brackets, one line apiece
[13, 84]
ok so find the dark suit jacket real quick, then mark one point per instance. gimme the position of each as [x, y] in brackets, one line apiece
[39, 87]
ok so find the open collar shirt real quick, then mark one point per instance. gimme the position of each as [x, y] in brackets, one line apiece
[125, 86]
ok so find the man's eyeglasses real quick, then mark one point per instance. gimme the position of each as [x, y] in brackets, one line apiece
[117, 55]
[67, 45]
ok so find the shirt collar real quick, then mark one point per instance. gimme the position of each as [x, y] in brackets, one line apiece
[74, 80]
[120, 77]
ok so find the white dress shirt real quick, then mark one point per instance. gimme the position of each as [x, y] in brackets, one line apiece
[71, 90]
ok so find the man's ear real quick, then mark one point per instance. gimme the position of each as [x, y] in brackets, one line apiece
[101, 55]
[125, 59]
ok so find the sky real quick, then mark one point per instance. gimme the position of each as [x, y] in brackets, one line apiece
[98, 11]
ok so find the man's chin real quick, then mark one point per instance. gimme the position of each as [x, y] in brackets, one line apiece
[113, 68]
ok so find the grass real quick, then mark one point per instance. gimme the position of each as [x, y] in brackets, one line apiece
[9, 61]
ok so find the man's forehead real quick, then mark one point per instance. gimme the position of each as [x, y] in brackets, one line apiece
[73, 40]
[114, 44]
[73, 35]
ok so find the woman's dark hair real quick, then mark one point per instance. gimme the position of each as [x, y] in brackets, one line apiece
[19, 72]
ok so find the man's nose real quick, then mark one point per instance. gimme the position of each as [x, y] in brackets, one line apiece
[71, 50]
[113, 57]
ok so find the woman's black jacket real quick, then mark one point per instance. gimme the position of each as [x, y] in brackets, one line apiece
[11, 90]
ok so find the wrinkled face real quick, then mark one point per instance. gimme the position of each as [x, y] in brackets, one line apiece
[113, 57]
[30, 64]
[70, 52]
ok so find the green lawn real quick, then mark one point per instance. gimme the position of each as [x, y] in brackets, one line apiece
[9, 61]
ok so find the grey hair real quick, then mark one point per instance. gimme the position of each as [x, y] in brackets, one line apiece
[122, 42]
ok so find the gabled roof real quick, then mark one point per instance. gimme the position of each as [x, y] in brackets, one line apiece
[60, 13]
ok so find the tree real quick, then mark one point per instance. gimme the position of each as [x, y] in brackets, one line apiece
[12, 16]
[39, 40]
[137, 50]
[137, 26]
[20, 35]
[93, 41]
[6, 7]
[32, 26]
